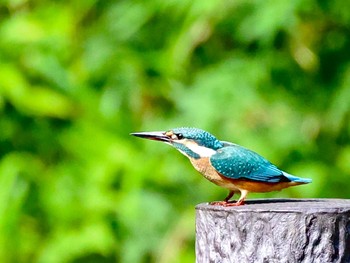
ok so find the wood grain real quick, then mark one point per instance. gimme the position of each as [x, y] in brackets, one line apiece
[274, 230]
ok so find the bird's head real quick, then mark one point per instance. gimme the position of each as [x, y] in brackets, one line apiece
[192, 142]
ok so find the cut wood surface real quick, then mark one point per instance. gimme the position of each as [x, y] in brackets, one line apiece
[274, 230]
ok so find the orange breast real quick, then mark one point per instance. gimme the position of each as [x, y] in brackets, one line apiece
[261, 187]
[206, 169]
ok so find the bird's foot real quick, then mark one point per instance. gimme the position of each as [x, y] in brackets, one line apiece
[238, 203]
[221, 203]
[228, 203]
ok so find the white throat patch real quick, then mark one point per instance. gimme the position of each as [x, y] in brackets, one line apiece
[200, 150]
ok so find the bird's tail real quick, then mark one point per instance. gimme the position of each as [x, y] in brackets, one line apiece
[296, 179]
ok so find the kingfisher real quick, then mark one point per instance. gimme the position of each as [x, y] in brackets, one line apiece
[226, 164]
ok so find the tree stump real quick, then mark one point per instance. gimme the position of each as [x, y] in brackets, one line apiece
[274, 230]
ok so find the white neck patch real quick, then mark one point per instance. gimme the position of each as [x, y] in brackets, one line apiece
[200, 150]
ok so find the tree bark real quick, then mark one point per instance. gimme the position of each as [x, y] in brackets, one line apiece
[274, 230]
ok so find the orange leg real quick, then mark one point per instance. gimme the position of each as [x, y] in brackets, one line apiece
[227, 201]
[228, 197]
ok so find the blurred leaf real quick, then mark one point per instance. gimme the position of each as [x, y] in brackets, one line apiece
[77, 77]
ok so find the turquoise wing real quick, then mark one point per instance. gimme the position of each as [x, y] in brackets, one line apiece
[237, 162]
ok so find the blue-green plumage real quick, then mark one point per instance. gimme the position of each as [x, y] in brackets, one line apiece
[237, 162]
[186, 150]
[226, 164]
[203, 138]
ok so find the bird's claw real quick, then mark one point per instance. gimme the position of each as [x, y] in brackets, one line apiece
[228, 203]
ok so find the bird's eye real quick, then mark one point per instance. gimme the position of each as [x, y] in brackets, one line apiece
[179, 136]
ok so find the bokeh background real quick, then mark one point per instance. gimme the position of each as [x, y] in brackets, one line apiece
[76, 77]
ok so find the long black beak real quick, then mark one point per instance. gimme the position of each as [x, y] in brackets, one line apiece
[157, 136]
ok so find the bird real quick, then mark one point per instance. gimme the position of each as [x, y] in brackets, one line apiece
[226, 164]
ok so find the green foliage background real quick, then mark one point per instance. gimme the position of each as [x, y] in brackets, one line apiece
[76, 77]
